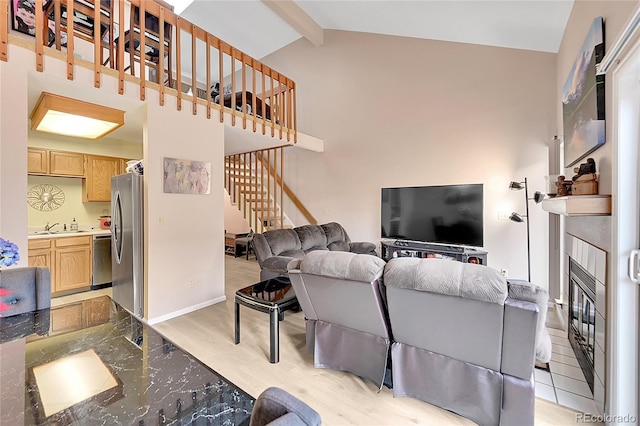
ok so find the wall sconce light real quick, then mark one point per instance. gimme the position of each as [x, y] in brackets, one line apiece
[71, 117]
[518, 218]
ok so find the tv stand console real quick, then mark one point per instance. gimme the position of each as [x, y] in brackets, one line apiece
[402, 248]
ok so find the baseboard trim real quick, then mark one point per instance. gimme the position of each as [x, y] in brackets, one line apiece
[180, 312]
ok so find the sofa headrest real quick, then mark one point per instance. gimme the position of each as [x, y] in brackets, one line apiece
[335, 233]
[282, 240]
[342, 265]
[447, 277]
[311, 237]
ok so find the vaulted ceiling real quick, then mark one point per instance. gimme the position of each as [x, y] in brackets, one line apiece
[259, 27]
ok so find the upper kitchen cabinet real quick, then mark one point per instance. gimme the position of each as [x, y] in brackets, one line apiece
[97, 183]
[55, 163]
[37, 161]
[66, 163]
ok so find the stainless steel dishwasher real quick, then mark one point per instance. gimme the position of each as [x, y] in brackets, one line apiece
[101, 261]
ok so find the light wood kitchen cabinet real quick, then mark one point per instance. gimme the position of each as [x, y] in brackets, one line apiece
[62, 163]
[97, 184]
[54, 163]
[68, 259]
[37, 161]
[72, 263]
[41, 253]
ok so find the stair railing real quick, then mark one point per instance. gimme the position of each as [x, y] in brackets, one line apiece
[264, 97]
[254, 183]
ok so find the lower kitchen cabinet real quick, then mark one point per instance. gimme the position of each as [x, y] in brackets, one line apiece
[68, 258]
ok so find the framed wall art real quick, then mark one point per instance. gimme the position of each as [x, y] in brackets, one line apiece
[583, 99]
[186, 176]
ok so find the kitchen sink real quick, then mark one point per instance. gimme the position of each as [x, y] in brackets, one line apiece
[58, 232]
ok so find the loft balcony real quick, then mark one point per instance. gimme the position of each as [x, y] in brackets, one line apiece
[173, 57]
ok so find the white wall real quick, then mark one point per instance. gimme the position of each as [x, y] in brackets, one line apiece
[189, 245]
[396, 111]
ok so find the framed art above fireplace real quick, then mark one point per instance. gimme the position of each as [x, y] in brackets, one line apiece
[583, 100]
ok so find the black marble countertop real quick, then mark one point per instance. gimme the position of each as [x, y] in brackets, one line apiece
[91, 362]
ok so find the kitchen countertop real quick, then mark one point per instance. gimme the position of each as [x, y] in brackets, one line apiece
[40, 234]
[107, 367]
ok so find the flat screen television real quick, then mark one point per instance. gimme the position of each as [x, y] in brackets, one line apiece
[447, 214]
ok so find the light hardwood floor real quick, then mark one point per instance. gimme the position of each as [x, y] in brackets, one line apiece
[340, 398]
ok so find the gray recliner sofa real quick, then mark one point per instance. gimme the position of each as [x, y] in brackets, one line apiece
[346, 322]
[461, 342]
[462, 337]
[275, 249]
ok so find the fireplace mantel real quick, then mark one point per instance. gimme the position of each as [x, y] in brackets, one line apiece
[579, 205]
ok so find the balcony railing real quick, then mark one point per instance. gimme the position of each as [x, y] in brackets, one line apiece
[174, 56]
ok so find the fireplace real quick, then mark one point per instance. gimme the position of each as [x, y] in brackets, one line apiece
[582, 317]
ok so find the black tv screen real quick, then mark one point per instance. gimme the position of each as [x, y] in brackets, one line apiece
[448, 214]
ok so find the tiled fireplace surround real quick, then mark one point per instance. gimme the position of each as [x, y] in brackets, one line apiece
[593, 261]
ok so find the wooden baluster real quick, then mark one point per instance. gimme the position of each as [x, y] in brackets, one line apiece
[4, 29]
[281, 187]
[194, 81]
[220, 81]
[295, 115]
[264, 102]
[289, 112]
[207, 85]
[261, 192]
[273, 105]
[178, 66]
[251, 186]
[280, 107]
[161, 54]
[244, 92]
[70, 41]
[237, 185]
[39, 36]
[97, 43]
[233, 86]
[269, 197]
[120, 49]
[253, 98]
[244, 185]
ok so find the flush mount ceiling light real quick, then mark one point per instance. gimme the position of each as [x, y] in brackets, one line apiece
[66, 116]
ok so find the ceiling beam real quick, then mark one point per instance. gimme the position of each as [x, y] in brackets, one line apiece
[298, 19]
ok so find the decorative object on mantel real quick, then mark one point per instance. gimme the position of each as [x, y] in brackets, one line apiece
[585, 182]
[45, 197]
[583, 101]
[563, 186]
[8, 253]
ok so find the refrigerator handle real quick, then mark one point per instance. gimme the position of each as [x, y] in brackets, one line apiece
[117, 227]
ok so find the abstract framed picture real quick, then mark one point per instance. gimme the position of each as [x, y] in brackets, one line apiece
[186, 176]
[583, 100]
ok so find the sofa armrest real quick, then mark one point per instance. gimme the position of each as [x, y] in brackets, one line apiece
[519, 338]
[261, 248]
[362, 248]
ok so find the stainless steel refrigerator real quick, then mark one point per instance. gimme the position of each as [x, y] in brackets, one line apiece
[127, 242]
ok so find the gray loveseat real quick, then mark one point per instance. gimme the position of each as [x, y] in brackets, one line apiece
[275, 249]
[461, 336]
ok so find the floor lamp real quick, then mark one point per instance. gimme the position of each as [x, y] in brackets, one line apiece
[515, 217]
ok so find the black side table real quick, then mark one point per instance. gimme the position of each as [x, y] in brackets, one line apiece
[273, 296]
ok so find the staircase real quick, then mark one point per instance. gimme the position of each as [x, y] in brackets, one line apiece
[254, 183]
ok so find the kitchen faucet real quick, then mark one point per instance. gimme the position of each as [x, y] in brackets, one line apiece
[48, 228]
